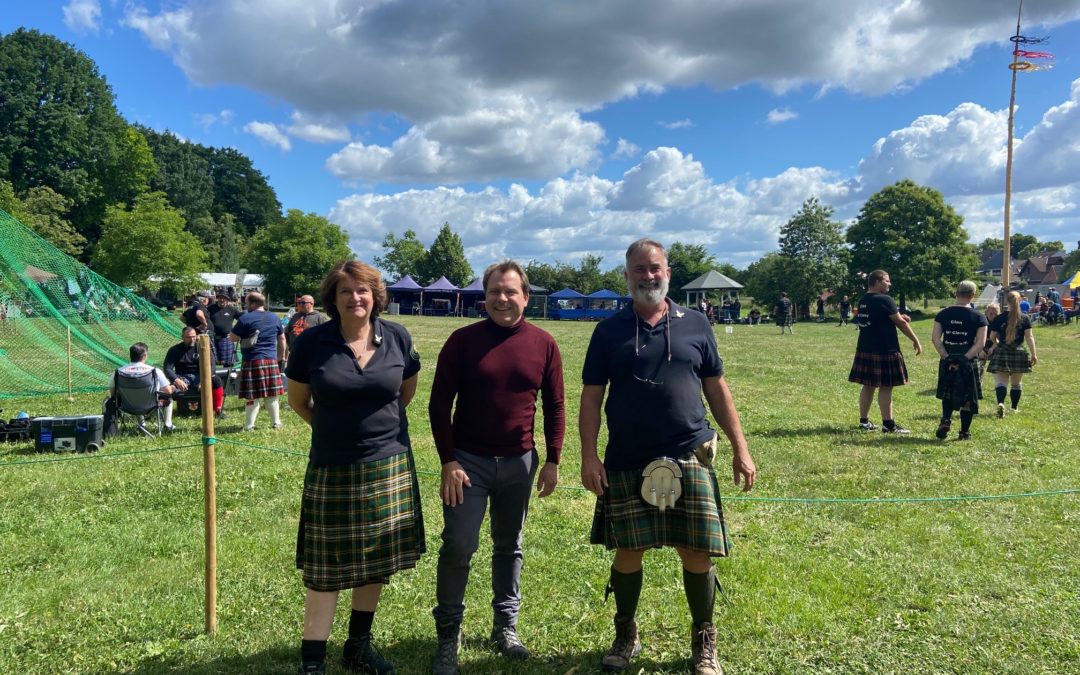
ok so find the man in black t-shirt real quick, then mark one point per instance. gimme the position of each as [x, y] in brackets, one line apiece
[784, 312]
[878, 363]
[223, 315]
[845, 311]
[959, 335]
[197, 315]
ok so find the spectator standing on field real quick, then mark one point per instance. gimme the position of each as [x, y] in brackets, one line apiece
[262, 342]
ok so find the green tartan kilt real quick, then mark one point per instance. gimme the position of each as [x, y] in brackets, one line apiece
[622, 519]
[1009, 359]
[359, 523]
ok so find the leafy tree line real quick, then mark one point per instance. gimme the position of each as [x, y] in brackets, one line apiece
[132, 202]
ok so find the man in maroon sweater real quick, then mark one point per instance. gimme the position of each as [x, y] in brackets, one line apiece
[494, 370]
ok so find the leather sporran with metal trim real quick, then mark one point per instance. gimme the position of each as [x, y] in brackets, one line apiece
[661, 483]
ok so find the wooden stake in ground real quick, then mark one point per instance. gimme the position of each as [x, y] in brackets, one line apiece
[206, 392]
[70, 397]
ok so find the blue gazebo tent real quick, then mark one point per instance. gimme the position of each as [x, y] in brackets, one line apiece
[566, 304]
[405, 288]
[603, 303]
[441, 306]
[472, 298]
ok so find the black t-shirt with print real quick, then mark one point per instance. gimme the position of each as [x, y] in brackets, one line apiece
[877, 332]
[959, 326]
[1000, 325]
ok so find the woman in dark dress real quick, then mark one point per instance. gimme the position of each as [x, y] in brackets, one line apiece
[1010, 332]
[959, 335]
[360, 519]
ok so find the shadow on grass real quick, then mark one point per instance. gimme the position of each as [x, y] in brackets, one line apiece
[408, 656]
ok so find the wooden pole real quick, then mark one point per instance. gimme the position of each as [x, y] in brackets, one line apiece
[1006, 254]
[206, 392]
[70, 397]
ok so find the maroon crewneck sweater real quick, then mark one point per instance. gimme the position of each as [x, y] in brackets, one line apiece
[495, 373]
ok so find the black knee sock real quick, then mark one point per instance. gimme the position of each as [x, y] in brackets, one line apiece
[1000, 391]
[360, 623]
[965, 420]
[946, 409]
[1014, 396]
[627, 589]
[888, 424]
[313, 650]
[700, 594]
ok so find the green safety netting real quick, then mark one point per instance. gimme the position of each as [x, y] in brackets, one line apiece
[44, 293]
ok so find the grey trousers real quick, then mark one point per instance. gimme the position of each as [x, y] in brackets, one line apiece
[507, 483]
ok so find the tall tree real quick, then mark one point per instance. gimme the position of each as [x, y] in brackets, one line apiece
[687, 262]
[231, 244]
[404, 256]
[241, 189]
[446, 258]
[543, 274]
[909, 231]
[59, 128]
[587, 277]
[294, 254]
[765, 279]
[615, 279]
[183, 173]
[146, 247]
[813, 250]
[42, 210]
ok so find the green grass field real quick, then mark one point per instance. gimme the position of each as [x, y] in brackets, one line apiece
[101, 557]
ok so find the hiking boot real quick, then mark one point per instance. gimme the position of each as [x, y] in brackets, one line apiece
[703, 650]
[625, 647]
[312, 668]
[446, 651]
[360, 656]
[867, 426]
[943, 429]
[895, 429]
[1001, 410]
[505, 641]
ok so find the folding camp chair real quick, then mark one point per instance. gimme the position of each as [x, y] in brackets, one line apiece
[138, 403]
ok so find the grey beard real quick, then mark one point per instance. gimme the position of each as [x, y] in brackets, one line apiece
[651, 296]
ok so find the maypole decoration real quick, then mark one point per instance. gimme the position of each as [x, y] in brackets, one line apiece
[1020, 64]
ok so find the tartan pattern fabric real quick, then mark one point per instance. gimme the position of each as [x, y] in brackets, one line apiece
[786, 319]
[623, 520]
[359, 523]
[260, 378]
[878, 369]
[945, 384]
[226, 351]
[1009, 359]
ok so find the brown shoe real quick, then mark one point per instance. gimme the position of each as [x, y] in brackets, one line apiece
[703, 650]
[625, 647]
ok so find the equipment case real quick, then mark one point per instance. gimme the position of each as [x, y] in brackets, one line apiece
[68, 434]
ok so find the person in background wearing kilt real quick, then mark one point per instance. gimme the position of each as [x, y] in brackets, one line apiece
[1010, 331]
[959, 336]
[262, 344]
[223, 315]
[360, 517]
[785, 313]
[494, 369]
[658, 358]
[845, 311]
[878, 362]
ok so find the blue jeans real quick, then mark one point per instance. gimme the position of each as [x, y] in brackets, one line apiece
[507, 483]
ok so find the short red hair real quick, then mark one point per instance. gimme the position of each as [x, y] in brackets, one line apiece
[358, 273]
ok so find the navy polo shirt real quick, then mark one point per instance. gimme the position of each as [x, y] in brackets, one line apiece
[269, 326]
[654, 407]
[358, 416]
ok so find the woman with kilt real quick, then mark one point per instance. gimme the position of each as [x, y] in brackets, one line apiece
[1008, 359]
[262, 344]
[878, 363]
[959, 336]
[360, 519]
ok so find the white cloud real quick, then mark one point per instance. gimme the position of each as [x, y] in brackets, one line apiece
[83, 16]
[315, 131]
[781, 115]
[516, 138]
[207, 120]
[677, 124]
[269, 133]
[625, 149]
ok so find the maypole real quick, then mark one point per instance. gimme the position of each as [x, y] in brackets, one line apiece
[1016, 66]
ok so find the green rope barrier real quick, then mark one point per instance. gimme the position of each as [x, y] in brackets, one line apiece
[279, 451]
[96, 455]
[209, 440]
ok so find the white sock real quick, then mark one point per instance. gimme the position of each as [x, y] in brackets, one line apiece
[274, 408]
[250, 414]
[168, 414]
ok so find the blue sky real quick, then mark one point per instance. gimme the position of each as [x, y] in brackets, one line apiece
[547, 130]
